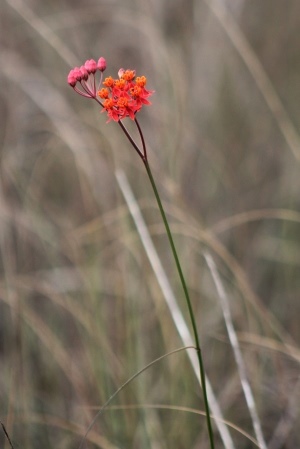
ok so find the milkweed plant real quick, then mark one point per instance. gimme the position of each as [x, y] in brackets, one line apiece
[123, 98]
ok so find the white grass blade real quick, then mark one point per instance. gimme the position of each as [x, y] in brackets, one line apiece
[236, 350]
[170, 299]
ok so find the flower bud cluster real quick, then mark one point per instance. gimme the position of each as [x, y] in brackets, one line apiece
[85, 76]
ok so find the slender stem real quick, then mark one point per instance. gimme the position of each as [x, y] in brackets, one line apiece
[188, 300]
[135, 146]
[143, 155]
[142, 139]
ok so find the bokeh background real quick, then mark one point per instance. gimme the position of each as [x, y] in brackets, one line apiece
[80, 306]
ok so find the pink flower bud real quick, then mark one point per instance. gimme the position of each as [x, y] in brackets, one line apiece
[101, 64]
[84, 73]
[90, 65]
[71, 78]
[77, 73]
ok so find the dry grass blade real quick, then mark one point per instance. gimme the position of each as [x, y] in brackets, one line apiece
[180, 409]
[6, 434]
[254, 215]
[52, 344]
[257, 71]
[71, 427]
[43, 30]
[236, 350]
[137, 374]
[271, 344]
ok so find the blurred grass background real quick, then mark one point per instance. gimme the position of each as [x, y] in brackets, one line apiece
[80, 307]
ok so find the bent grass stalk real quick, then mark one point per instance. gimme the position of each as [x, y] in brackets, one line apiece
[124, 98]
[128, 381]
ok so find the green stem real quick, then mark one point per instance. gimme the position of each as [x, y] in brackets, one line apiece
[188, 300]
[143, 155]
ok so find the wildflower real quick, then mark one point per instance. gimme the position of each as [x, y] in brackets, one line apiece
[120, 84]
[103, 93]
[109, 106]
[120, 98]
[140, 95]
[141, 81]
[109, 82]
[128, 75]
[126, 106]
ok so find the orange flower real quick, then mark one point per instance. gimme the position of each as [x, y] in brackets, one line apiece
[109, 82]
[141, 81]
[128, 75]
[120, 84]
[103, 93]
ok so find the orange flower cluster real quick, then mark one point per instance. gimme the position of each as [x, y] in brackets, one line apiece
[125, 96]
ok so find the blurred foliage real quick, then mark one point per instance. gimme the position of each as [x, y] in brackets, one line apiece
[81, 309]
